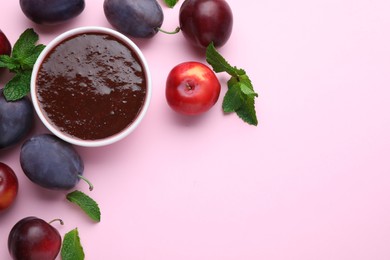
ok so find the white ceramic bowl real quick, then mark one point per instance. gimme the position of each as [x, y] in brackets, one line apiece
[98, 142]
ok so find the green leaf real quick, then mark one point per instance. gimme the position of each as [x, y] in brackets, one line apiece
[71, 246]
[9, 63]
[219, 63]
[24, 55]
[25, 45]
[171, 3]
[247, 90]
[246, 85]
[240, 96]
[18, 86]
[233, 98]
[28, 62]
[247, 111]
[86, 203]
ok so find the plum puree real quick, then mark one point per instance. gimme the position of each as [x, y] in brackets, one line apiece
[91, 86]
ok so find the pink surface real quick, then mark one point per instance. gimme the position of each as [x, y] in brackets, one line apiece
[310, 182]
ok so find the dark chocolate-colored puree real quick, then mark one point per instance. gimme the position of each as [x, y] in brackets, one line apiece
[91, 86]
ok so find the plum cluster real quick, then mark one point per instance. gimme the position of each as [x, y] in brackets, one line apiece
[202, 21]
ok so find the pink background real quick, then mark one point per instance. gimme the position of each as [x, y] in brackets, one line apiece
[312, 181]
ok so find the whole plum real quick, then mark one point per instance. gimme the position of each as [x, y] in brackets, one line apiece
[136, 18]
[50, 162]
[192, 88]
[16, 120]
[206, 21]
[51, 11]
[32, 238]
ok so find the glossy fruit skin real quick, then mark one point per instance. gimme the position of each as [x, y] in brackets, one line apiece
[16, 120]
[5, 45]
[192, 88]
[50, 162]
[206, 21]
[32, 238]
[9, 186]
[136, 18]
[51, 11]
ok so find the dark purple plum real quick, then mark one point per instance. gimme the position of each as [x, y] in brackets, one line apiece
[50, 162]
[136, 18]
[32, 238]
[16, 120]
[51, 11]
[206, 21]
[5, 45]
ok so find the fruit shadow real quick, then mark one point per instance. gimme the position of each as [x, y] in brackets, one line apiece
[141, 43]
[5, 213]
[94, 157]
[53, 29]
[187, 121]
[56, 198]
[48, 195]
[9, 151]
[197, 52]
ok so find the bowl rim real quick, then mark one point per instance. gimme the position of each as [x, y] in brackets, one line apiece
[74, 140]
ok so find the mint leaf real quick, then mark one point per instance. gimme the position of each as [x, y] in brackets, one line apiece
[25, 45]
[246, 85]
[18, 86]
[240, 97]
[71, 246]
[233, 99]
[247, 90]
[247, 111]
[28, 62]
[9, 63]
[21, 62]
[171, 3]
[219, 63]
[86, 203]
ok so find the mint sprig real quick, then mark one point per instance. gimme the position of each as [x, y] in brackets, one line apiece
[171, 3]
[86, 203]
[240, 96]
[71, 246]
[25, 52]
